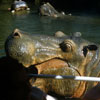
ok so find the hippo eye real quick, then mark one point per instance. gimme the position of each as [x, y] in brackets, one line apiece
[67, 46]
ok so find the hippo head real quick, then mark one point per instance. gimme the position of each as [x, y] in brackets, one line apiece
[48, 10]
[20, 47]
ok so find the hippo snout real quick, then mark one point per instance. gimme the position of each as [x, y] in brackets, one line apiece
[20, 46]
[16, 33]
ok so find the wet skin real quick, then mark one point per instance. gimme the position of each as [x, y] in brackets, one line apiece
[66, 55]
[48, 10]
[19, 5]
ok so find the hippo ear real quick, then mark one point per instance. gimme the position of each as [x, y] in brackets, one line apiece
[68, 46]
[89, 47]
[77, 34]
[60, 34]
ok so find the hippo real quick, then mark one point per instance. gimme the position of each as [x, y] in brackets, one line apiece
[18, 5]
[48, 10]
[56, 55]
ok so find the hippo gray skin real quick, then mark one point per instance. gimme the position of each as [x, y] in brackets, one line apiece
[64, 55]
[18, 5]
[48, 10]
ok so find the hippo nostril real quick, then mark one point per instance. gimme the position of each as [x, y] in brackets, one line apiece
[16, 34]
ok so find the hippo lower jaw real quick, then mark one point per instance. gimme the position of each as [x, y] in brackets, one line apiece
[61, 87]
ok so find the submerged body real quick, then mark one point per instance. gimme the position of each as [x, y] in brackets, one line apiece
[60, 55]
